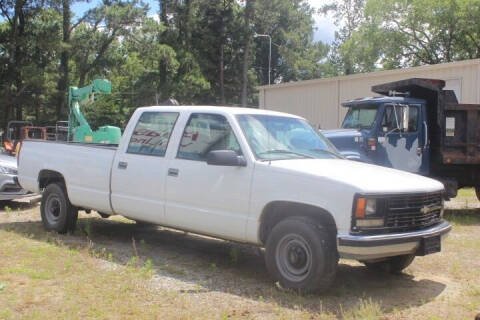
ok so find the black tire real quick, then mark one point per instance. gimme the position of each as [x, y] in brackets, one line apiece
[392, 264]
[301, 255]
[58, 214]
[477, 191]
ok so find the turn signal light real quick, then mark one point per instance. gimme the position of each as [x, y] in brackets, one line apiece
[360, 208]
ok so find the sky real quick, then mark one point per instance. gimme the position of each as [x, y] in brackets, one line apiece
[325, 28]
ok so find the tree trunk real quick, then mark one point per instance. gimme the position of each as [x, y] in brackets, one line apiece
[163, 85]
[246, 48]
[222, 81]
[63, 81]
[18, 31]
[222, 57]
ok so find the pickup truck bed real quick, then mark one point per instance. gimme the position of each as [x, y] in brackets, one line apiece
[87, 177]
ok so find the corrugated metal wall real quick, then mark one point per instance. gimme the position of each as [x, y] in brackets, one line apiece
[320, 100]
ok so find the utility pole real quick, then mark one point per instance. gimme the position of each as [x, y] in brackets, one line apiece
[269, 53]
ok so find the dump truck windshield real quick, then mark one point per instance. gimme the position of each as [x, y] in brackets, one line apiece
[360, 117]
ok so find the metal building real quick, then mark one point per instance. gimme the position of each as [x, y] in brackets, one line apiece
[319, 100]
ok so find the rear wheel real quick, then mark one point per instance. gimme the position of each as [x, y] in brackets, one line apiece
[301, 255]
[58, 214]
[392, 264]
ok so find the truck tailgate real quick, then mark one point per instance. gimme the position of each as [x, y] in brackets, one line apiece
[462, 134]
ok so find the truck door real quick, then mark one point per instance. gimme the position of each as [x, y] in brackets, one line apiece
[138, 172]
[207, 198]
[402, 149]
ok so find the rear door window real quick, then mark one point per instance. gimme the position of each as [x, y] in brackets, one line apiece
[152, 133]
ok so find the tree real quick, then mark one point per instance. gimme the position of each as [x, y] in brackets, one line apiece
[104, 25]
[249, 7]
[31, 38]
[294, 55]
[200, 52]
[349, 17]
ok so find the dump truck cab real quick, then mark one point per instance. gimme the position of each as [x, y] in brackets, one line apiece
[387, 131]
[415, 126]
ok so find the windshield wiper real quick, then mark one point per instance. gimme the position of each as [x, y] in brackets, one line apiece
[287, 152]
[329, 152]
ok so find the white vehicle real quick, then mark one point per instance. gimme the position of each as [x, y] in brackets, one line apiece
[246, 175]
[9, 187]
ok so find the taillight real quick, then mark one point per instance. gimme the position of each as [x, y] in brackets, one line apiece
[18, 149]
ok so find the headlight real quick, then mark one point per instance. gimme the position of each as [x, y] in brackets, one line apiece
[371, 207]
[366, 213]
[8, 170]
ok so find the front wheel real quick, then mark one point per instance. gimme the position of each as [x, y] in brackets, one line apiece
[300, 255]
[393, 264]
[58, 214]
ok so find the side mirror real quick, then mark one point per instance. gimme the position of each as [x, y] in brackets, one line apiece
[225, 158]
[405, 118]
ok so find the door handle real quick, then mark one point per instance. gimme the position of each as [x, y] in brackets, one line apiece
[419, 151]
[173, 172]
[122, 165]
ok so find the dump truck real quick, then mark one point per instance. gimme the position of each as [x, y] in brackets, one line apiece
[417, 126]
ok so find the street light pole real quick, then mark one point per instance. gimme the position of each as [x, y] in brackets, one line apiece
[269, 53]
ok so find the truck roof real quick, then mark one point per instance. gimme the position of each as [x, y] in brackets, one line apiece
[223, 109]
[380, 100]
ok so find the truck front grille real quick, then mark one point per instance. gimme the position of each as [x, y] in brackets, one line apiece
[413, 212]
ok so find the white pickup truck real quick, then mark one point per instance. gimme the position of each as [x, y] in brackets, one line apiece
[246, 175]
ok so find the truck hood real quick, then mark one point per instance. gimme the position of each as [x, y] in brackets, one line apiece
[348, 141]
[363, 177]
[345, 139]
[339, 133]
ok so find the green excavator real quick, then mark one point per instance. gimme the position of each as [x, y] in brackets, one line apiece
[78, 128]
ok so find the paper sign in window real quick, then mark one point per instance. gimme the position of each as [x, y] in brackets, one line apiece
[450, 127]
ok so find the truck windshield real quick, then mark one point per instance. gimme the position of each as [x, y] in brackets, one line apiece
[360, 117]
[279, 138]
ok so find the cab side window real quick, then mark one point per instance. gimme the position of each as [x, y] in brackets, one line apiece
[389, 122]
[206, 132]
[152, 133]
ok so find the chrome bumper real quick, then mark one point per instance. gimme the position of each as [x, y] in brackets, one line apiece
[365, 247]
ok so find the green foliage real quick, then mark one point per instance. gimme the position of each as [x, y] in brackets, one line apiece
[193, 52]
[376, 34]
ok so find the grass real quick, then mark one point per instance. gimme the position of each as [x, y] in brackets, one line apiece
[466, 193]
[107, 271]
[367, 309]
[463, 217]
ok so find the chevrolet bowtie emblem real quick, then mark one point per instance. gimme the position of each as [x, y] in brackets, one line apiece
[428, 209]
